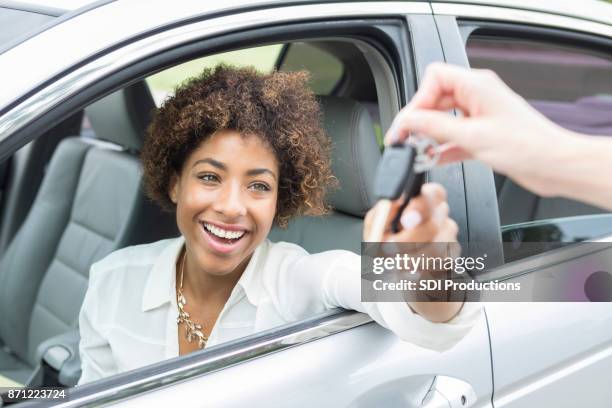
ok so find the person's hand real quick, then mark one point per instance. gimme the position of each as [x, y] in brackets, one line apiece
[498, 127]
[425, 222]
[425, 218]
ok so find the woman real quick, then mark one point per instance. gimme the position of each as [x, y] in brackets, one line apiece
[232, 153]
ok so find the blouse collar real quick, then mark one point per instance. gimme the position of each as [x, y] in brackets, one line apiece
[161, 282]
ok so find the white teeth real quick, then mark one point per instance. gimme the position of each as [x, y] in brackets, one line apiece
[223, 233]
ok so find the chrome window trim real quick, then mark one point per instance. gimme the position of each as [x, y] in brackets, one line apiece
[521, 16]
[221, 356]
[146, 28]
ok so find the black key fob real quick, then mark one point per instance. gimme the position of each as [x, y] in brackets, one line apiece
[394, 171]
[396, 175]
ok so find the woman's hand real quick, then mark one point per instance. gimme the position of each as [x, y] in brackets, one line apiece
[425, 218]
[424, 221]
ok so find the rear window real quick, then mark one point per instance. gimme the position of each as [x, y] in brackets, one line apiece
[326, 69]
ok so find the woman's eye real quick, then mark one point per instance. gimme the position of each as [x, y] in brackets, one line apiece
[208, 177]
[260, 187]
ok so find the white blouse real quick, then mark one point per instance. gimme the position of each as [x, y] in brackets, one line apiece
[128, 318]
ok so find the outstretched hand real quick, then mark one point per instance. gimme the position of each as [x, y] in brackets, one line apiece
[498, 127]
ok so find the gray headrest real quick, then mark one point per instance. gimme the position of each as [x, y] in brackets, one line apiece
[355, 153]
[123, 116]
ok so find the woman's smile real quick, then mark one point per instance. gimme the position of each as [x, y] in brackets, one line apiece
[222, 238]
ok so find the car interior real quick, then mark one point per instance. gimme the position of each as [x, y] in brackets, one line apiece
[74, 194]
[568, 85]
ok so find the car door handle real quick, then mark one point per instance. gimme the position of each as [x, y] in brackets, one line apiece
[449, 392]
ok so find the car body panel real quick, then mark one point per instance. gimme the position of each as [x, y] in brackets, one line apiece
[551, 354]
[365, 367]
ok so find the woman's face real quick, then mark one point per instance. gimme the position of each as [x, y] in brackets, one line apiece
[225, 200]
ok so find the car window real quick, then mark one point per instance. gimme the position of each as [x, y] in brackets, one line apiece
[163, 83]
[325, 68]
[571, 86]
[96, 216]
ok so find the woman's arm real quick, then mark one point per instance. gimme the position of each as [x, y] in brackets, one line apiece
[308, 284]
[336, 277]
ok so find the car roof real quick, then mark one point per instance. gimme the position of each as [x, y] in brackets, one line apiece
[595, 10]
[97, 14]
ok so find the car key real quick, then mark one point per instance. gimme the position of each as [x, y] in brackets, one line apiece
[400, 171]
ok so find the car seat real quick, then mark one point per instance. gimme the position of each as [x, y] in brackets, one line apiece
[90, 203]
[355, 155]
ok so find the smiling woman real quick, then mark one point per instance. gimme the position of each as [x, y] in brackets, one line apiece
[231, 154]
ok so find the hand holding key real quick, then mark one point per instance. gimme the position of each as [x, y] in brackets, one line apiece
[424, 219]
[412, 212]
[401, 214]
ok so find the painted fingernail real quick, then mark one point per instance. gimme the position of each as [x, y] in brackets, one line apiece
[391, 137]
[411, 219]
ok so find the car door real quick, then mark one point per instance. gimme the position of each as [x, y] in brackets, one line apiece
[340, 358]
[343, 359]
[546, 353]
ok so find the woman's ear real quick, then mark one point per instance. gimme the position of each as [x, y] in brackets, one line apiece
[173, 193]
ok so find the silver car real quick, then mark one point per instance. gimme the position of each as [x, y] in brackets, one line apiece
[78, 86]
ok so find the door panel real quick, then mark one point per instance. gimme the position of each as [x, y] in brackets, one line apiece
[551, 354]
[366, 366]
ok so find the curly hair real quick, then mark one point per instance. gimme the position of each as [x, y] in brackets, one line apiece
[277, 107]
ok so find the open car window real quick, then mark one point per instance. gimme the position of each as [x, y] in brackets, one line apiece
[98, 147]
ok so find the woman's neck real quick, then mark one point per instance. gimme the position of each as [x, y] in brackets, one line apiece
[205, 287]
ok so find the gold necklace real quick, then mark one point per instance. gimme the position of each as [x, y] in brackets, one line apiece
[194, 331]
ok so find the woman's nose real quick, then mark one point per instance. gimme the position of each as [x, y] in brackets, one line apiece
[231, 201]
